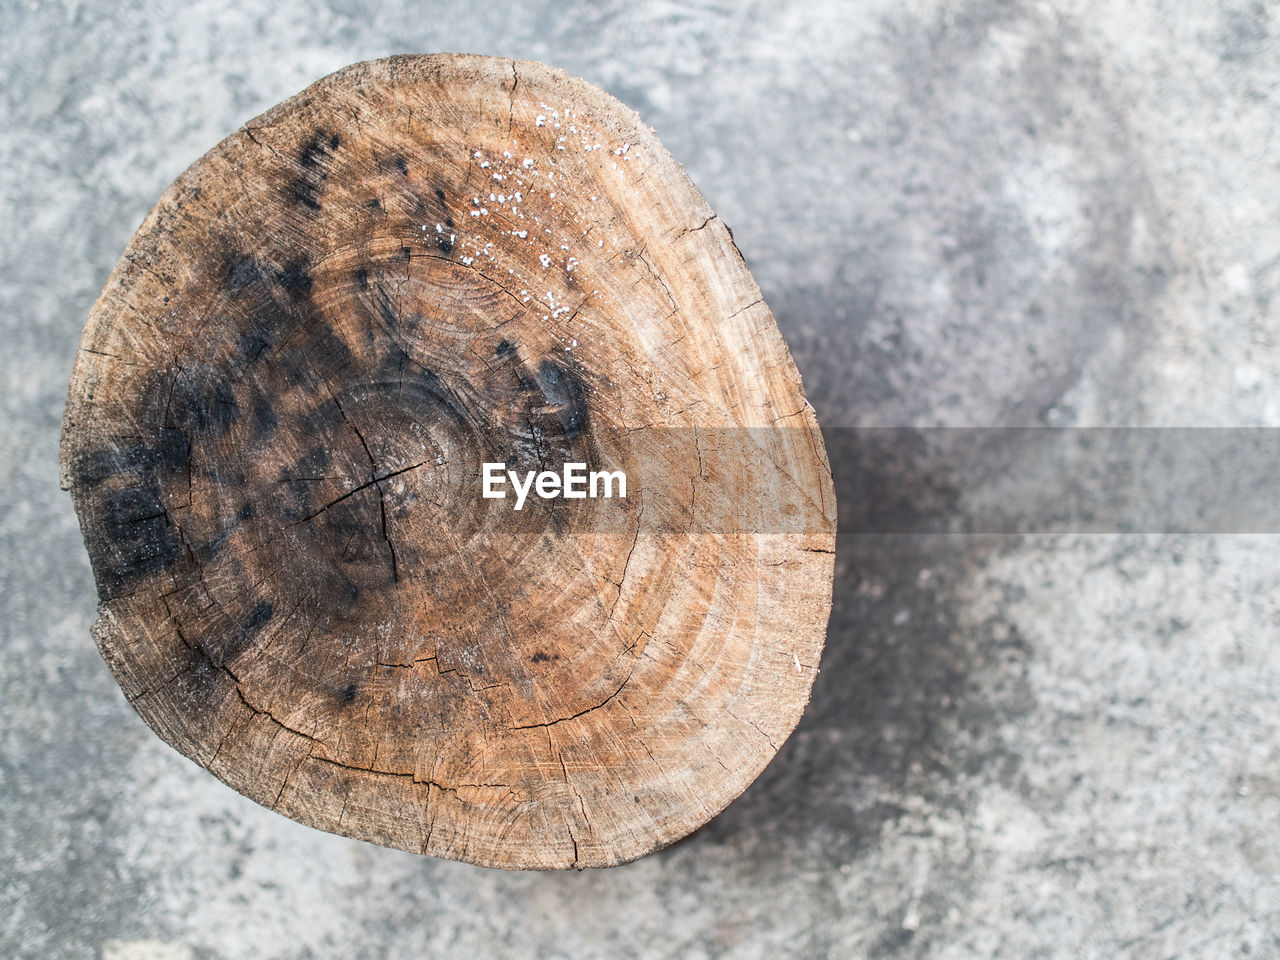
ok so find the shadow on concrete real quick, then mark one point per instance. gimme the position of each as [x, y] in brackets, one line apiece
[902, 697]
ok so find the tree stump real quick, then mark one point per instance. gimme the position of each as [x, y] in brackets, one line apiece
[274, 439]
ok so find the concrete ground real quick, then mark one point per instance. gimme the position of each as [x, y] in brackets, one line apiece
[972, 213]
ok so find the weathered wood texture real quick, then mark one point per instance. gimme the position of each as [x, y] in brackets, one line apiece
[273, 436]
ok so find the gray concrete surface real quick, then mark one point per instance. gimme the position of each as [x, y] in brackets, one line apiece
[973, 213]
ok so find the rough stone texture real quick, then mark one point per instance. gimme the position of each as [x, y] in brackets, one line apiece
[974, 214]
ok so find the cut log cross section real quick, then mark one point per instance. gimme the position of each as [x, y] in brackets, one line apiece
[274, 440]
